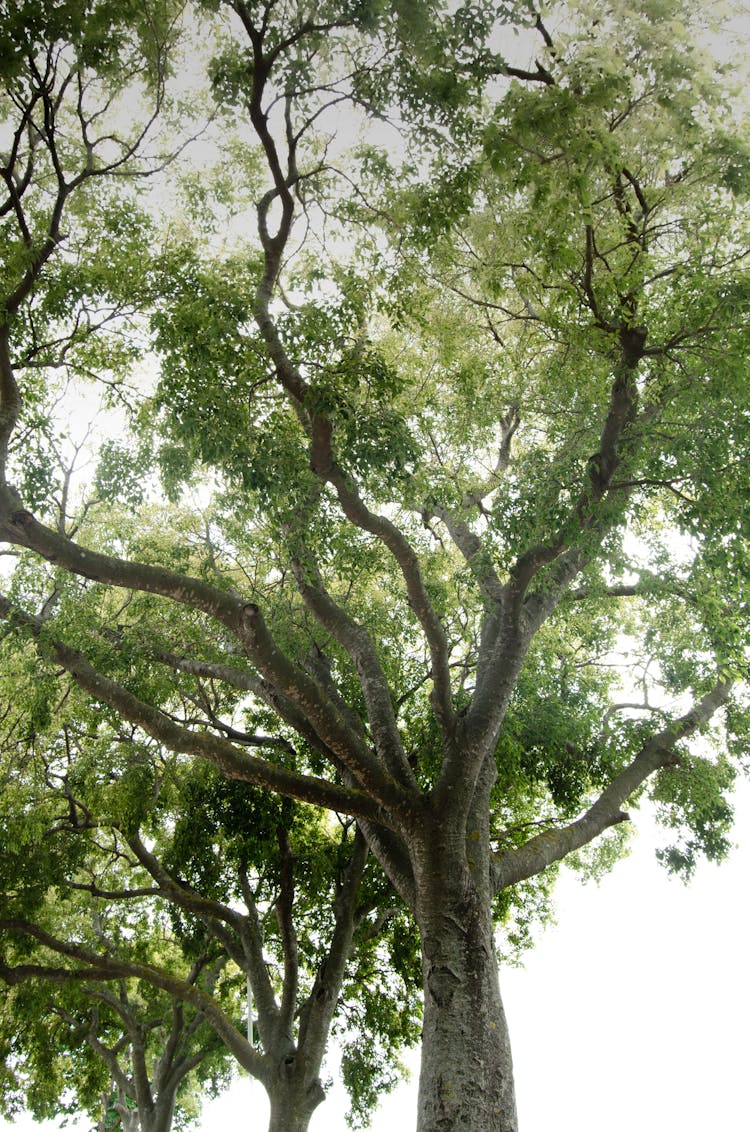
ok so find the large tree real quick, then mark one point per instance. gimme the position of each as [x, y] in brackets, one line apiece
[471, 413]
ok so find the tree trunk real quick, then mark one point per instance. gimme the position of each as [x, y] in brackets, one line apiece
[130, 1120]
[160, 1117]
[293, 1097]
[466, 1079]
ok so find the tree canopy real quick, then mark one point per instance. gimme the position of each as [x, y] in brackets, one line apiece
[421, 480]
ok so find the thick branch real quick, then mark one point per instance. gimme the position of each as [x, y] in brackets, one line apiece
[600, 470]
[306, 694]
[10, 399]
[233, 762]
[250, 682]
[162, 1072]
[392, 855]
[505, 638]
[245, 621]
[20, 528]
[540, 75]
[317, 1012]
[470, 546]
[359, 645]
[288, 933]
[358, 513]
[293, 382]
[515, 865]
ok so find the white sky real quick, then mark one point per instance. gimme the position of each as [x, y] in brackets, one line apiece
[631, 1013]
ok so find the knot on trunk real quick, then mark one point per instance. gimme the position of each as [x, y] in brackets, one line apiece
[316, 1092]
[442, 982]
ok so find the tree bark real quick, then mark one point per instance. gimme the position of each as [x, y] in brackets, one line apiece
[130, 1119]
[293, 1097]
[466, 1079]
[161, 1116]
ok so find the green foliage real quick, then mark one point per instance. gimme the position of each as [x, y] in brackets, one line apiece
[692, 799]
[220, 826]
[93, 29]
[120, 473]
[212, 368]
[381, 1014]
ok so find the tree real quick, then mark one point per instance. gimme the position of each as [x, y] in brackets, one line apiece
[473, 415]
[82, 1036]
[125, 1058]
[163, 904]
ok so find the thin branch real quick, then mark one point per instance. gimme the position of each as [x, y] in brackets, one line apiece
[91, 966]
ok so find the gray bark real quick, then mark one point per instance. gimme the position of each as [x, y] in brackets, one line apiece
[161, 1116]
[294, 1096]
[466, 1079]
[130, 1120]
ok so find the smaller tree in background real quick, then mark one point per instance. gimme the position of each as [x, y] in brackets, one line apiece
[165, 902]
[125, 1053]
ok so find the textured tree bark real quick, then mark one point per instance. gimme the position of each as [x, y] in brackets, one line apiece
[160, 1118]
[130, 1121]
[293, 1097]
[466, 1079]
